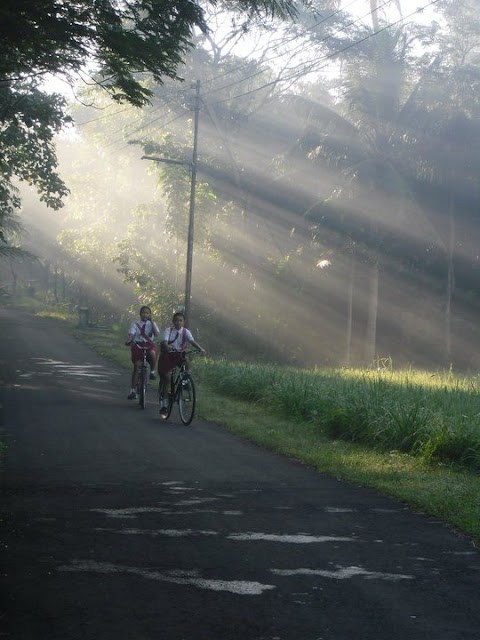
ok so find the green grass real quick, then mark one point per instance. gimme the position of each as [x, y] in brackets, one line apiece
[412, 435]
[434, 417]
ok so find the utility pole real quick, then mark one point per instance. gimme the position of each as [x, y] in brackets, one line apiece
[191, 214]
[191, 217]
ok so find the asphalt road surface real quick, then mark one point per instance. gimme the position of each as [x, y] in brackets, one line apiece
[118, 526]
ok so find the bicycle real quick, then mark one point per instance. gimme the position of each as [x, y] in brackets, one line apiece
[143, 375]
[182, 391]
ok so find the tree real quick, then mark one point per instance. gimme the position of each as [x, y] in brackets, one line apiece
[448, 125]
[121, 38]
[29, 120]
[120, 41]
[365, 139]
[10, 228]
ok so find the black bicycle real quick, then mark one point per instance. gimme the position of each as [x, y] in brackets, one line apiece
[182, 391]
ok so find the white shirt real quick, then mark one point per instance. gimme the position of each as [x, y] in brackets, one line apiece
[175, 338]
[137, 333]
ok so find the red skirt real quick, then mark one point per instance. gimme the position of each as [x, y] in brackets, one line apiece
[170, 359]
[137, 353]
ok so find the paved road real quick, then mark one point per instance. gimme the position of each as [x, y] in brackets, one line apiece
[116, 526]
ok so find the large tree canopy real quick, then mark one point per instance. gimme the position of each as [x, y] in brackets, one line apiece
[118, 39]
[123, 37]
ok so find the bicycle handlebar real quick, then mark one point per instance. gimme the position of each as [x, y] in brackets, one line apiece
[139, 344]
[186, 352]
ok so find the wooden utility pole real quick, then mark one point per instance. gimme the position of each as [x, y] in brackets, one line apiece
[191, 217]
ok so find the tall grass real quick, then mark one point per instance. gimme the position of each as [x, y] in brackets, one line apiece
[435, 417]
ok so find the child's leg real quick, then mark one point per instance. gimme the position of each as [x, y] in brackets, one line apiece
[152, 360]
[163, 385]
[136, 368]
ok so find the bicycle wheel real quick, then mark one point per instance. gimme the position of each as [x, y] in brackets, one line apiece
[142, 388]
[186, 399]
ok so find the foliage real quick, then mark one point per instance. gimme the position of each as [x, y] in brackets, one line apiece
[120, 40]
[10, 228]
[143, 260]
[29, 120]
[433, 417]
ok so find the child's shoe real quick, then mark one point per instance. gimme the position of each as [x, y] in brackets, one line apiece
[163, 412]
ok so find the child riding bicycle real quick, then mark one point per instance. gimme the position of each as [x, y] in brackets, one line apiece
[141, 334]
[172, 353]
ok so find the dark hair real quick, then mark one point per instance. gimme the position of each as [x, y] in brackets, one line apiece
[178, 313]
[145, 307]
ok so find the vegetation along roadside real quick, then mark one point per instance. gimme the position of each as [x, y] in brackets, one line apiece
[412, 435]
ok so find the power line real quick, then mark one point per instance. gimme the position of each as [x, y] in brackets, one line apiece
[165, 124]
[314, 66]
[109, 115]
[267, 60]
[298, 73]
[294, 37]
[303, 45]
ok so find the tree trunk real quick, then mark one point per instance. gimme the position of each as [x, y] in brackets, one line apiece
[14, 279]
[348, 351]
[450, 279]
[374, 14]
[55, 283]
[371, 332]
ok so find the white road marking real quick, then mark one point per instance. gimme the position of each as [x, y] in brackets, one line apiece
[132, 512]
[83, 370]
[129, 512]
[194, 501]
[343, 573]
[170, 533]
[301, 538]
[239, 587]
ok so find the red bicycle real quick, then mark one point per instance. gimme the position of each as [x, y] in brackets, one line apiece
[143, 374]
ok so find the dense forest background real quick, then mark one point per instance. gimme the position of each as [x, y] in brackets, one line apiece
[337, 198]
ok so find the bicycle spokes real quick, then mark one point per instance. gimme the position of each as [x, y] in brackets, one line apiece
[186, 400]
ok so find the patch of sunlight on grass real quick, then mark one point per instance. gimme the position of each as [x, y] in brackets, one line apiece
[63, 316]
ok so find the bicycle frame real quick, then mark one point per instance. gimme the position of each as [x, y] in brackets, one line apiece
[182, 391]
[142, 379]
